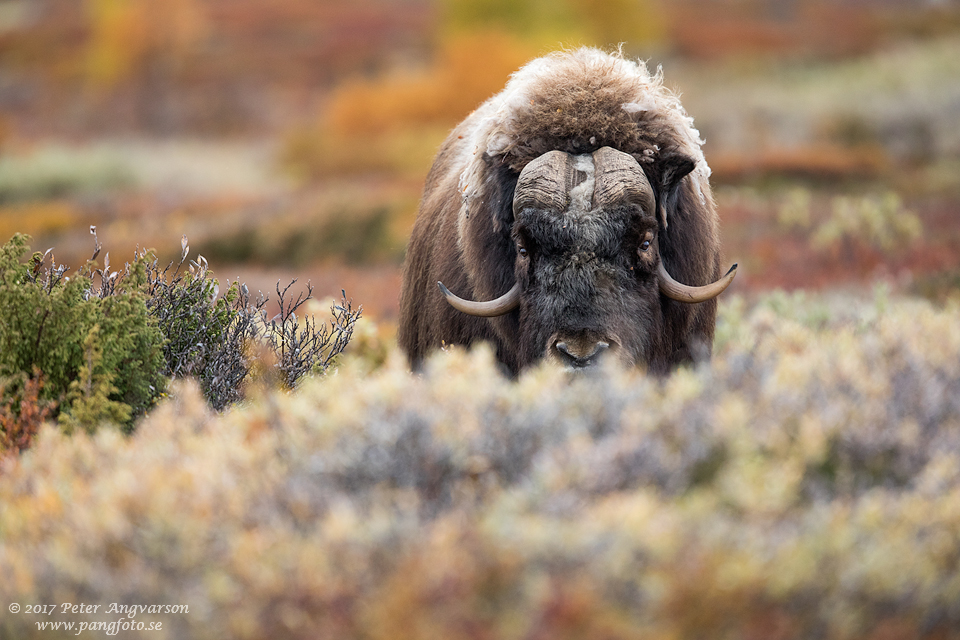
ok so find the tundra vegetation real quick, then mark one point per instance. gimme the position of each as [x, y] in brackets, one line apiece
[804, 483]
[842, 100]
[99, 346]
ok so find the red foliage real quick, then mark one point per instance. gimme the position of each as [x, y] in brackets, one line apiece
[772, 257]
[708, 30]
[227, 66]
[814, 162]
[18, 425]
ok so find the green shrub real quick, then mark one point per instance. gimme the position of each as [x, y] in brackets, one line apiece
[879, 222]
[100, 356]
[351, 236]
[939, 286]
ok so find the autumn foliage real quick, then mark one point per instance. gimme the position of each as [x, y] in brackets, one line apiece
[19, 424]
[797, 486]
[803, 485]
[395, 121]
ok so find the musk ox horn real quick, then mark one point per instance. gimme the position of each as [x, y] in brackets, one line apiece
[685, 293]
[498, 307]
[619, 178]
[549, 181]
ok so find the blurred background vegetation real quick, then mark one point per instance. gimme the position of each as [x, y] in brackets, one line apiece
[291, 137]
[804, 485]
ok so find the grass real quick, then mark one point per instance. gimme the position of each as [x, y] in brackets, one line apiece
[805, 483]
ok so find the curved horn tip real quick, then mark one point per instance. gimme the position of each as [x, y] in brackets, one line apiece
[684, 293]
[498, 307]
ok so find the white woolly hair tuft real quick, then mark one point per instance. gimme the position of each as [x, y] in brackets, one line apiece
[578, 101]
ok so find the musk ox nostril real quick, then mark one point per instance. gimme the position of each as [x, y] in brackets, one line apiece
[579, 358]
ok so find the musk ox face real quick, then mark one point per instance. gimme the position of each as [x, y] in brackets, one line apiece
[588, 274]
[585, 230]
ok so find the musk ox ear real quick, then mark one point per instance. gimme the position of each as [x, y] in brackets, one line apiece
[672, 168]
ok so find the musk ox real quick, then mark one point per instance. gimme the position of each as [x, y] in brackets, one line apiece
[560, 219]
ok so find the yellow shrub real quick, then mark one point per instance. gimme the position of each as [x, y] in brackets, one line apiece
[123, 33]
[395, 124]
[37, 218]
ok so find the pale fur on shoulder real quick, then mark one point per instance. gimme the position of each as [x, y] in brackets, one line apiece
[578, 101]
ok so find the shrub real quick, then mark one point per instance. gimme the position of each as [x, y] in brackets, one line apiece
[794, 211]
[354, 237]
[57, 172]
[300, 349]
[879, 222]
[39, 218]
[22, 412]
[206, 335]
[213, 338]
[104, 343]
[805, 484]
[95, 352]
[404, 116]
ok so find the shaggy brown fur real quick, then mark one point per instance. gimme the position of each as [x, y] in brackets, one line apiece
[577, 102]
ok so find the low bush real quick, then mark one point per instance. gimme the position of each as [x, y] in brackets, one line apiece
[880, 222]
[22, 412]
[99, 355]
[877, 221]
[101, 346]
[353, 237]
[56, 172]
[804, 484]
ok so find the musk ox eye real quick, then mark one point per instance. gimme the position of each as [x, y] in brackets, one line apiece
[523, 252]
[645, 242]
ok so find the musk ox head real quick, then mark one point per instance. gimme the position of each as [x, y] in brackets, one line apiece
[564, 214]
[587, 269]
